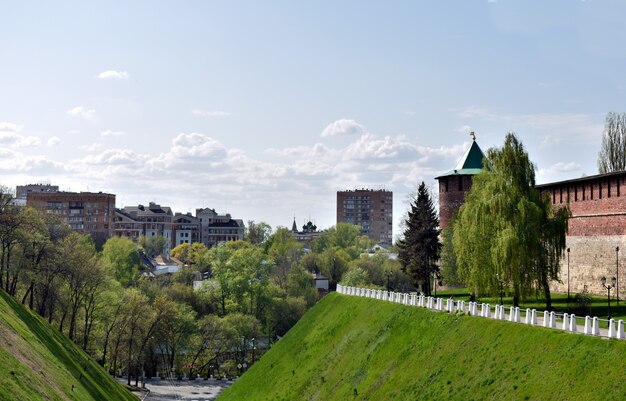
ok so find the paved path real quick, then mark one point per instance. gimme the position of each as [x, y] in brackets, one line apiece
[188, 390]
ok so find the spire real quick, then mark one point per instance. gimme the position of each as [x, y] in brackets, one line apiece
[472, 161]
[294, 227]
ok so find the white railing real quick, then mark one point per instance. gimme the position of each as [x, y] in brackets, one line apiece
[562, 321]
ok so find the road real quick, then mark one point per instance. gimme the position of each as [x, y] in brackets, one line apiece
[187, 390]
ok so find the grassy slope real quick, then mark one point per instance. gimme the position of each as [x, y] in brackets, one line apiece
[37, 362]
[393, 352]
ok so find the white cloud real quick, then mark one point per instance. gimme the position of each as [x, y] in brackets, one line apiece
[210, 113]
[12, 127]
[344, 127]
[82, 112]
[10, 136]
[53, 141]
[107, 133]
[112, 74]
[465, 129]
[90, 148]
[565, 167]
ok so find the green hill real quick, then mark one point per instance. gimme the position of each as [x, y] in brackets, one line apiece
[37, 362]
[348, 348]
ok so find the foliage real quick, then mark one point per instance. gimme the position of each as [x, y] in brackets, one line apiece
[612, 155]
[364, 349]
[258, 233]
[63, 371]
[449, 268]
[153, 246]
[123, 255]
[419, 249]
[506, 231]
[356, 277]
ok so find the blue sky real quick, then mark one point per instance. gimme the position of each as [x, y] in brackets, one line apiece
[266, 109]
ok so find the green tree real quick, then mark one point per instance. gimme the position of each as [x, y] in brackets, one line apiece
[284, 251]
[449, 274]
[123, 255]
[356, 277]
[153, 245]
[419, 249]
[612, 156]
[258, 233]
[506, 230]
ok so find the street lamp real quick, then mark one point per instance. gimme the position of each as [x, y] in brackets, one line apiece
[608, 290]
[253, 349]
[388, 274]
[501, 283]
[568, 276]
[617, 272]
[436, 278]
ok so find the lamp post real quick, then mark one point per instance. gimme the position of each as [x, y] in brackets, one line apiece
[253, 349]
[436, 278]
[388, 274]
[608, 290]
[501, 283]
[568, 276]
[617, 273]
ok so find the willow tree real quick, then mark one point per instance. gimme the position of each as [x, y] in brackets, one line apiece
[508, 233]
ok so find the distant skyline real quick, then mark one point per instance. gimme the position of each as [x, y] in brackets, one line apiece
[266, 109]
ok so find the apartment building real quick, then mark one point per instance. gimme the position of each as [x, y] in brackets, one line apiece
[372, 209]
[86, 212]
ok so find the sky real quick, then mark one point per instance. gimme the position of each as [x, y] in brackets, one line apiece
[265, 110]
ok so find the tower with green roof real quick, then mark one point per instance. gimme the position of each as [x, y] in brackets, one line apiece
[454, 184]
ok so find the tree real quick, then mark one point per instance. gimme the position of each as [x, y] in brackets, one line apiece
[612, 156]
[284, 251]
[123, 254]
[258, 233]
[448, 267]
[153, 246]
[356, 277]
[419, 250]
[507, 233]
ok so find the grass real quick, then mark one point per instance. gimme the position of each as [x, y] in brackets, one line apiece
[350, 348]
[37, 362]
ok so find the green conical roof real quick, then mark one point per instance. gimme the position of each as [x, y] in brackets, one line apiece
[470, 164]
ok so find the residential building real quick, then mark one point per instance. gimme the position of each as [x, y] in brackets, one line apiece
[152, 220]
[185, 229]
[86, 212]
[216, 228]
[369, 208]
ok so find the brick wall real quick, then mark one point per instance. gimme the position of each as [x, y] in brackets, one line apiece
[452, 191]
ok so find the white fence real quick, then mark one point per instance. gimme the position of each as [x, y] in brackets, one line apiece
[564, 321]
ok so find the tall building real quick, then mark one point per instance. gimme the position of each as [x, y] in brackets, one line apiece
[86, 212]
[371, 209]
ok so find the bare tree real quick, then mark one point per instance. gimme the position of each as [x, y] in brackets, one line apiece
[612, 156]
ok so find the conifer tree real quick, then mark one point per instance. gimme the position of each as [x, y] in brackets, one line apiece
[419, 250]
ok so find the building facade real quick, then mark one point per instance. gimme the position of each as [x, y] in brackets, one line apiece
[371, 209]
[596, 237]
[85, 212]
[216, 228]
[149, 221]
[185, 229]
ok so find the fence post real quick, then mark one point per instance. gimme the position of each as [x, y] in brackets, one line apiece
[528, 320]
[565, 322]
[587, 330]
[546, 321]
[552, 320]
[487, 310]
[533, 319]
[620, 329]
[572, 323]
[595, 329]
[612, 332]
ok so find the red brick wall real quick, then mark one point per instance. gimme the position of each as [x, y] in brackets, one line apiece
[451, 197]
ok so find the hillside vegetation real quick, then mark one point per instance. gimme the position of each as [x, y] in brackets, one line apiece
[348, 348]
[39, 363]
